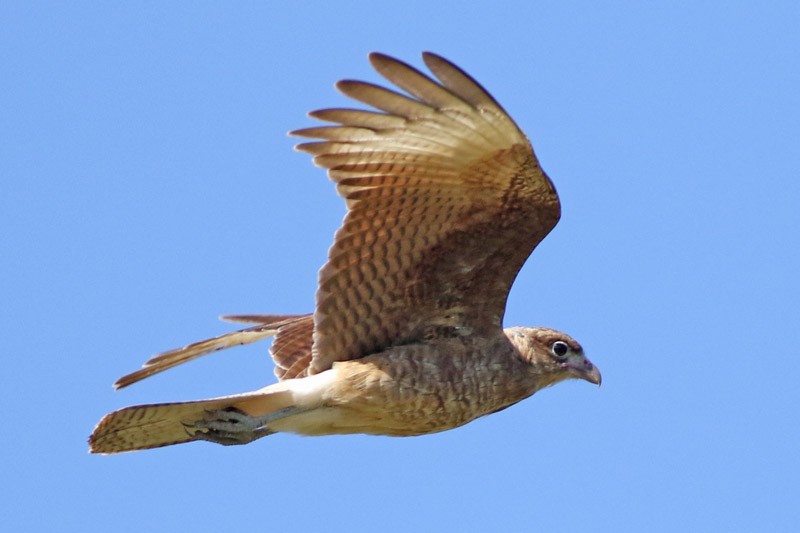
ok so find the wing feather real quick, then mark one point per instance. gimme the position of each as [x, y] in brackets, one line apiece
[267, 326]
[445, 201]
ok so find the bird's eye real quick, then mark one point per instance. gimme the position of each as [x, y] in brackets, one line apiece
[560, 349]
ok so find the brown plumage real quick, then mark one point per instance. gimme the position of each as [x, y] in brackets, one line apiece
[446, 200]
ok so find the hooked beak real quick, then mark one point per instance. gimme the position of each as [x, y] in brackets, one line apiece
[593, 376]
[582, 368]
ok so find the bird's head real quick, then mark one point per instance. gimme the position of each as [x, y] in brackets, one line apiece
[554, 356]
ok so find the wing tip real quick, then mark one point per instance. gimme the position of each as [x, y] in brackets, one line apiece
[130, 379]
[347, 85]
[377, 56]
[427, 55]
[380, 61]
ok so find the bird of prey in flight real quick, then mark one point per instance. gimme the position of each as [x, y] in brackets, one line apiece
[445, 202]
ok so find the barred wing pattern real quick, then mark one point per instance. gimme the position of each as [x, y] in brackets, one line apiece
[446, 200]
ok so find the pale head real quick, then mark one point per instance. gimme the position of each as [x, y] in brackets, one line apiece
[554, 356]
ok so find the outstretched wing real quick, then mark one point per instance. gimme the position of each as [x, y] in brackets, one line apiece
[287, 348]
[446, 200]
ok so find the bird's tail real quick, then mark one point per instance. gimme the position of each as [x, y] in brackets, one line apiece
[151, 426]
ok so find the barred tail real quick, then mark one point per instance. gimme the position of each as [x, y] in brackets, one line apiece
[151, 426]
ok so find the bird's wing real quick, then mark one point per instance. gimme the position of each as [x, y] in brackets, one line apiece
[446, 200]
[291, 348]
[268, 325]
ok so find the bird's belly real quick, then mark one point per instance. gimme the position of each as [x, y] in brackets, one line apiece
[383, 397]
[339, 420]
[373, 420]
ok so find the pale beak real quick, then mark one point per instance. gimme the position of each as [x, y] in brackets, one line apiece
[582, 368]
[593, 376]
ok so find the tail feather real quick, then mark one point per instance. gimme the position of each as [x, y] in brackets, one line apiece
[267, 327]
[151, 426]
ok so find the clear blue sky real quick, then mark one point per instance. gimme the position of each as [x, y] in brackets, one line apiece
[147, 186]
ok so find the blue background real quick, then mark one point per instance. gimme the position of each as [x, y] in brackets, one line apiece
[147, 186]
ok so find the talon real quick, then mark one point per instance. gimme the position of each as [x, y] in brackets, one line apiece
[228, 420]
[227, 427]
[231, 426]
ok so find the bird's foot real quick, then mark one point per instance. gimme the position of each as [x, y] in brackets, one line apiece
[231, 426]
[228, 427]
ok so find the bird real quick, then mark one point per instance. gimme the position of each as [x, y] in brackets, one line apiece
[445, 202]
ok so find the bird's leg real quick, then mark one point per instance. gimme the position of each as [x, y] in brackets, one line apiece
[231, 426]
